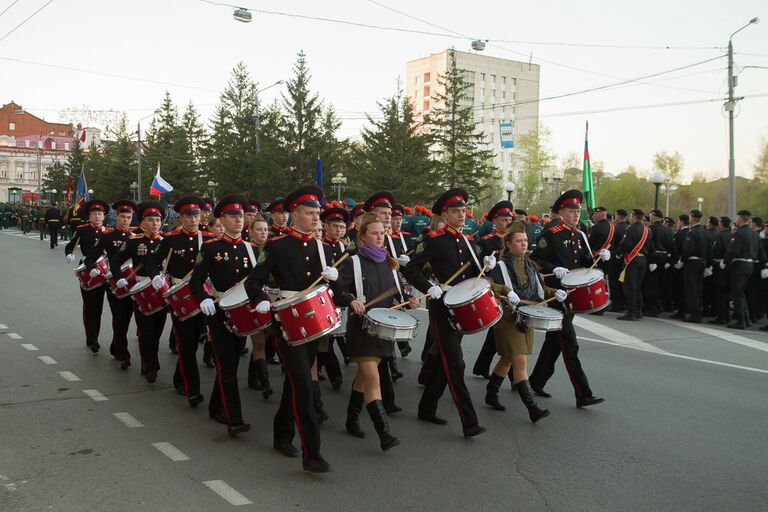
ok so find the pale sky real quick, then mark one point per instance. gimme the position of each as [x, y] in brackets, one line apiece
[191, 46]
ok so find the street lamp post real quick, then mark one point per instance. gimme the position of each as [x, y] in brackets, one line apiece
[53, 195]
[134, 187]
[668, 189]
[509, 187]
[701, 202]
[339, 184]
[212, 189]
[730, 107]
[657, 178]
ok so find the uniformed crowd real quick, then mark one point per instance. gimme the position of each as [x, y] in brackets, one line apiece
[298, 248]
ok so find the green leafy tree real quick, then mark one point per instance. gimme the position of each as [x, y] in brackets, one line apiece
[462, 153]
[669, 164]
[533, 159]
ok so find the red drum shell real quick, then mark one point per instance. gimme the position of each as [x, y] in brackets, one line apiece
[148, 299]
[183, 304]
[308, 316]
[242, 317]
[588, 290]
[473, 307]
[127, 273]
[84, 274]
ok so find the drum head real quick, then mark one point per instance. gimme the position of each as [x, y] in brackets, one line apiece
[582, 277]
[140, 285]
[392, 317]
[299, 297]
[233, 297]
[127, 264]
[540, 312]
[80, 268]
[465, 291]
[173, 289]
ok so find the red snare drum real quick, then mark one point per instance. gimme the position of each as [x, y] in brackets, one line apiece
[127, 273]
[183, 304]
[588, 290]
[84, 274]
[242, 318]
[308, 316]
[473, 307]
[147, 298]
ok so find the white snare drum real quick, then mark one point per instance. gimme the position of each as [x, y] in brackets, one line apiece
[540, 318]
[390, 324]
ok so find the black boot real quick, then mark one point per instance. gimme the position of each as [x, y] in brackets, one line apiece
[354, 408]
[394, 370]
[254, 379]
[263, 372]
[492, 392]
[322, 416]
[526, 395]
[381, 424]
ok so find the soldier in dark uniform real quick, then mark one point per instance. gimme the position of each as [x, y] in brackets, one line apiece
[278, 218]
[121, 308]
[741, 255]
[636, 247]
[143, 249]
[226, 261]
[683, 225]
[402, 240]
[87, 236]
[601, 237]
[709, 286]
[756, 308]
[446, 251]
[563, 247]
[501, 216]
[205, 212]
[616, 265]
[663, 254]
[53, 221]
[295, 260]
[763, 266]
[356, 216]
[696, 258]
[721, 295]
[179, 251]
[252, 212]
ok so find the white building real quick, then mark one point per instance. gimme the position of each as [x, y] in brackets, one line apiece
[503, 91]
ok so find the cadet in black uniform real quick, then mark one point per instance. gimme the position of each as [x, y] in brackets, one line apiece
[278, 218]
[663, 256]
[121, 308]
[295, 260]
[402, 243]
[142, 249]
[683, 225]
[501, 216]
[720, 306]
[563, 247]
[636, 247]
[87, 236]
[446, 251]
[226, 261]
[616, 264]
[709, 297]
[601, 236]
[741, 255]
[356, 215]
[53, 222]
[251, 213]
[180, 249]
[695, 257]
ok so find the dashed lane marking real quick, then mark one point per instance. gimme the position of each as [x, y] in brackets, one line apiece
[14, 336]
[3, 327]
[47, 359]
[69, 376]
[95, 395]
[723, 335]
[619, 338]
[29, 347]
[171, 451]
[128, 420]
[224, 490]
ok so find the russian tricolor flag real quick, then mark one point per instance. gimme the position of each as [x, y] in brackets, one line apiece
[159, 185]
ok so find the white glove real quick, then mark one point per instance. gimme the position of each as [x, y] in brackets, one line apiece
[513, 298]
[490, 262]
[330, 273]
[435, 292]
[263, 307]
[158, 282]
[667, 265]
[652, 267]
[207, 306]
[708, 272]
[94, 272]
[764, 273]
[722, 265]
[560, 272]
[122, 282]
[561, 295]
[679, 264]
[403, 260]
[604, 254]
[70, 258]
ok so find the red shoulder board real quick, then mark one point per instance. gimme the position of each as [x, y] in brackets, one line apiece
[487, 237]
[83, 225]
[108, 230]
[206, 233]
[435, 233]
[556, 228]
[278, 237]
[141, 235]
[470, 237]
[211, 240]
[405, 233]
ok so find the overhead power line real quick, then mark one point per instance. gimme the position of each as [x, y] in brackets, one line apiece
[46, 4]
[6, 9]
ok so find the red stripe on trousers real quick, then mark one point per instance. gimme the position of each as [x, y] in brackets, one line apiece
[444, 360]
[179, 359]
[304, 451]
[219, 383]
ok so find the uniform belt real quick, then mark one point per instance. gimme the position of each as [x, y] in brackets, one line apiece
[745, 260]
[662, 252]
[53, 220]
[640, 254]
[693, 258]
[717, 260]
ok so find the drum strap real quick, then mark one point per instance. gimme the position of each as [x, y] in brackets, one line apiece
[611, 230]
[505, 274]
[584, 236]
[472, 252]
[199, 240]
[341, 245]
[249, 250]
[392, 251]
[357, 271]
[402, 243]
[321, 252]
[629, 257]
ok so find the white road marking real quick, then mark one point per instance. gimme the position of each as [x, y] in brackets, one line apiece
[724, 335]
[69, 376]
[679, 356]
[619, 338]
[128, 420]
[95, 395]
[14, 336]
[3, 326]
[223, 489]
[47, 359]
[171, 451]
[29, 347]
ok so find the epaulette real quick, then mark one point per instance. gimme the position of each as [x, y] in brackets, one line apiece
[435, 233]
[278, 237]
[405, 233]
[140, 235]
[488, 236]
[83, 225]
[556, 228]
[108, 230]
[470, 237]
[211, 240]
[206, 233]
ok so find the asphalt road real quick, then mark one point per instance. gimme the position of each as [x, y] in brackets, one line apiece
[683, 426]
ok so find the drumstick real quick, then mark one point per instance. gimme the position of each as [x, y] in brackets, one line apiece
[482, 271]
[387, 294]
[594, 264]
[456, 274]
[552, 298]
[408, 302]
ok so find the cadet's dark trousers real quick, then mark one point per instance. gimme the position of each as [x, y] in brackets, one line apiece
[93, 305]
[53, 230]
[693, 280]
[754, 307]
[679, 292]
[614, 270]
[652, 290]
[741, 272]
[296, 403]
[329, 361]
[668, 288]
[386, 384]
[150, 328]
[122, 311]
[451, 359]
[225, 398]
[186, 335]
[555, 342]
[485, 357]
[721, 294]
[633, 285]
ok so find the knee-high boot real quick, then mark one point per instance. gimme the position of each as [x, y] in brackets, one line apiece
[381, 424]
[492, 392]
[354, 408]
[526, 395]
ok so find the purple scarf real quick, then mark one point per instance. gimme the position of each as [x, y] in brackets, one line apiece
[376, 254]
